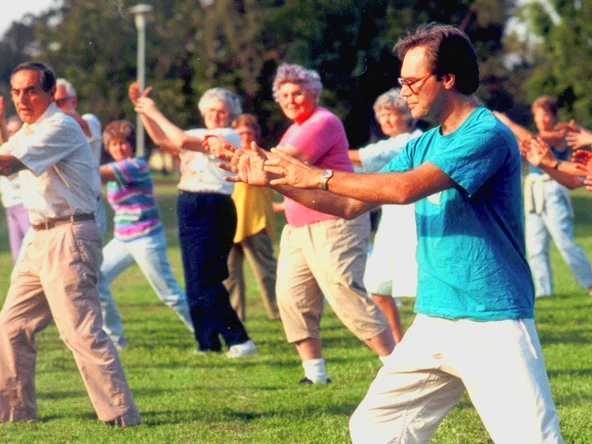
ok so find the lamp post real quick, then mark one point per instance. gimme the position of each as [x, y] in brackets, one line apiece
[140, 12]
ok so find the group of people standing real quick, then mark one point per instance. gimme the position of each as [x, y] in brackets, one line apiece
[475, 295]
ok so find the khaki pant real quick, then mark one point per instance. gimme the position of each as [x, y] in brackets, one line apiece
[327, 259]
[499, 364]
[57, 278]
[259, 252]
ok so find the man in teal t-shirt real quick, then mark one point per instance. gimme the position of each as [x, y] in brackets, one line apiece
[474, 328]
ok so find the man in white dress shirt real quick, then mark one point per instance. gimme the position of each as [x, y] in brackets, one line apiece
[56, 278]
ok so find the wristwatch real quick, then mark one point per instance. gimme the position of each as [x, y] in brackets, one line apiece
[325, 176]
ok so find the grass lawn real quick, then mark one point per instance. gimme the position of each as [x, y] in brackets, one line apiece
[185, 397]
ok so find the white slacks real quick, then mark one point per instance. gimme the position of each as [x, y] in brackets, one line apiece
[499, 363]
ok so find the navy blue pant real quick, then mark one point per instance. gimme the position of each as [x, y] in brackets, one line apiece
[207, 223]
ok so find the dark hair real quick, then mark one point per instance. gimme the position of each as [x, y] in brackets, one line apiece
[449, 51]
[48, 78]
[250, 121]
[546, 103]
[123, 129]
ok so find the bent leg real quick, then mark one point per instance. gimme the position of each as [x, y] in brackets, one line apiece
[537, 247]
[150, 254]
[25, 313]
[116, 259]
[411, 394]
[502, 367]
[259, 251]
[69, 274]
[235, 283]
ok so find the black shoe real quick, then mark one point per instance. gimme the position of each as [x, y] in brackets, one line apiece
[306, 381]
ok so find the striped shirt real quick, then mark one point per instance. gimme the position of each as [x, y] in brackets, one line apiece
[132, 199]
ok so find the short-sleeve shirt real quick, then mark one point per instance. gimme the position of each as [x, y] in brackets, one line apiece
[96, 137]
[200, 172]
[471, 253]
[61, 178]
[132, 199]
[376, 155]
[322, 139]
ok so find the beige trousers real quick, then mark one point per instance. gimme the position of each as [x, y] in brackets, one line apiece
[258, 250]
[57, 278]
[327, 259]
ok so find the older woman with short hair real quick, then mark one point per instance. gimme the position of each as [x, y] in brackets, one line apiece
[207, 215]
[392, 269]
[320, 254]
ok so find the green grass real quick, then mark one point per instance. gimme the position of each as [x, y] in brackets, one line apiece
[185, 397]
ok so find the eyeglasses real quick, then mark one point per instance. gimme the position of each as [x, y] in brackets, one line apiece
[62, 102]
[408, 83]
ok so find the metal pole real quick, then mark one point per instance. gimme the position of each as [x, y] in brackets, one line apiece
[140, 11]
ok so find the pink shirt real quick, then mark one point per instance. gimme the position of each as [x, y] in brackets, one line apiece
[322, 139]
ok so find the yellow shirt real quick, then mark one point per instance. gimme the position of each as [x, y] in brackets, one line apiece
[254, 211]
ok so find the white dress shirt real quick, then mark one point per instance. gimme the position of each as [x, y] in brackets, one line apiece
[61, 178]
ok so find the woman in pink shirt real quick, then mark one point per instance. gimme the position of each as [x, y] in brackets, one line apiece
[321, 254]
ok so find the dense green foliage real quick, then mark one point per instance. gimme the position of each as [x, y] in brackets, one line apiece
[561, 66]
[185, 397]
[193, 45]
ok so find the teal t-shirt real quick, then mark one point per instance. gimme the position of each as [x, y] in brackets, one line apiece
[471, 252]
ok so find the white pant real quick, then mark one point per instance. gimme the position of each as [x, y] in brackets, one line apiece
[499, 363]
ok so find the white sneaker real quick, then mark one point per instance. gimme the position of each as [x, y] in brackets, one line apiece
[241, 350]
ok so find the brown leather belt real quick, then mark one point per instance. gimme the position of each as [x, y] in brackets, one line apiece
[50, 223]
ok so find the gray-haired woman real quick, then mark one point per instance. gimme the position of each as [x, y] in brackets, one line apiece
[391, 270]
[206, 213]
[320, 254]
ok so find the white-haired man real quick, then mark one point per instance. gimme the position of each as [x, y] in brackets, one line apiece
[67, 100]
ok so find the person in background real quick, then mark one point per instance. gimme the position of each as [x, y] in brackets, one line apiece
[207, 215]
[321, 254]
[138, 232]
[17, 217]
[547, 205]
[66, 99]
[391, 270]
[255, 231]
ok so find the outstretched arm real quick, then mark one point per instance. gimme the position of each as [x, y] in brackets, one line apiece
[539, 154]
[519, 131]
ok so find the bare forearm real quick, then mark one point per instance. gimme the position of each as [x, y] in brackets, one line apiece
[325, 201]
[566, 173]
[391, 188]
[154, 131]
[10, 165]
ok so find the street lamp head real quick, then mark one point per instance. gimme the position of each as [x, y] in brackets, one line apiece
[141, 11]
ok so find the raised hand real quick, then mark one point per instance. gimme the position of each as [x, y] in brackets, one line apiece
[217, 146]
[570, 126]
[246, 164]
[537, 152]
[579, 139]
[134, 92]
[582, 157]
[292, 171]
[145, 105]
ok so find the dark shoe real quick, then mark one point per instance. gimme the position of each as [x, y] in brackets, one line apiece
[306, 381]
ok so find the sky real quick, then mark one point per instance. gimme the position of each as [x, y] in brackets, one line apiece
[19, 8]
